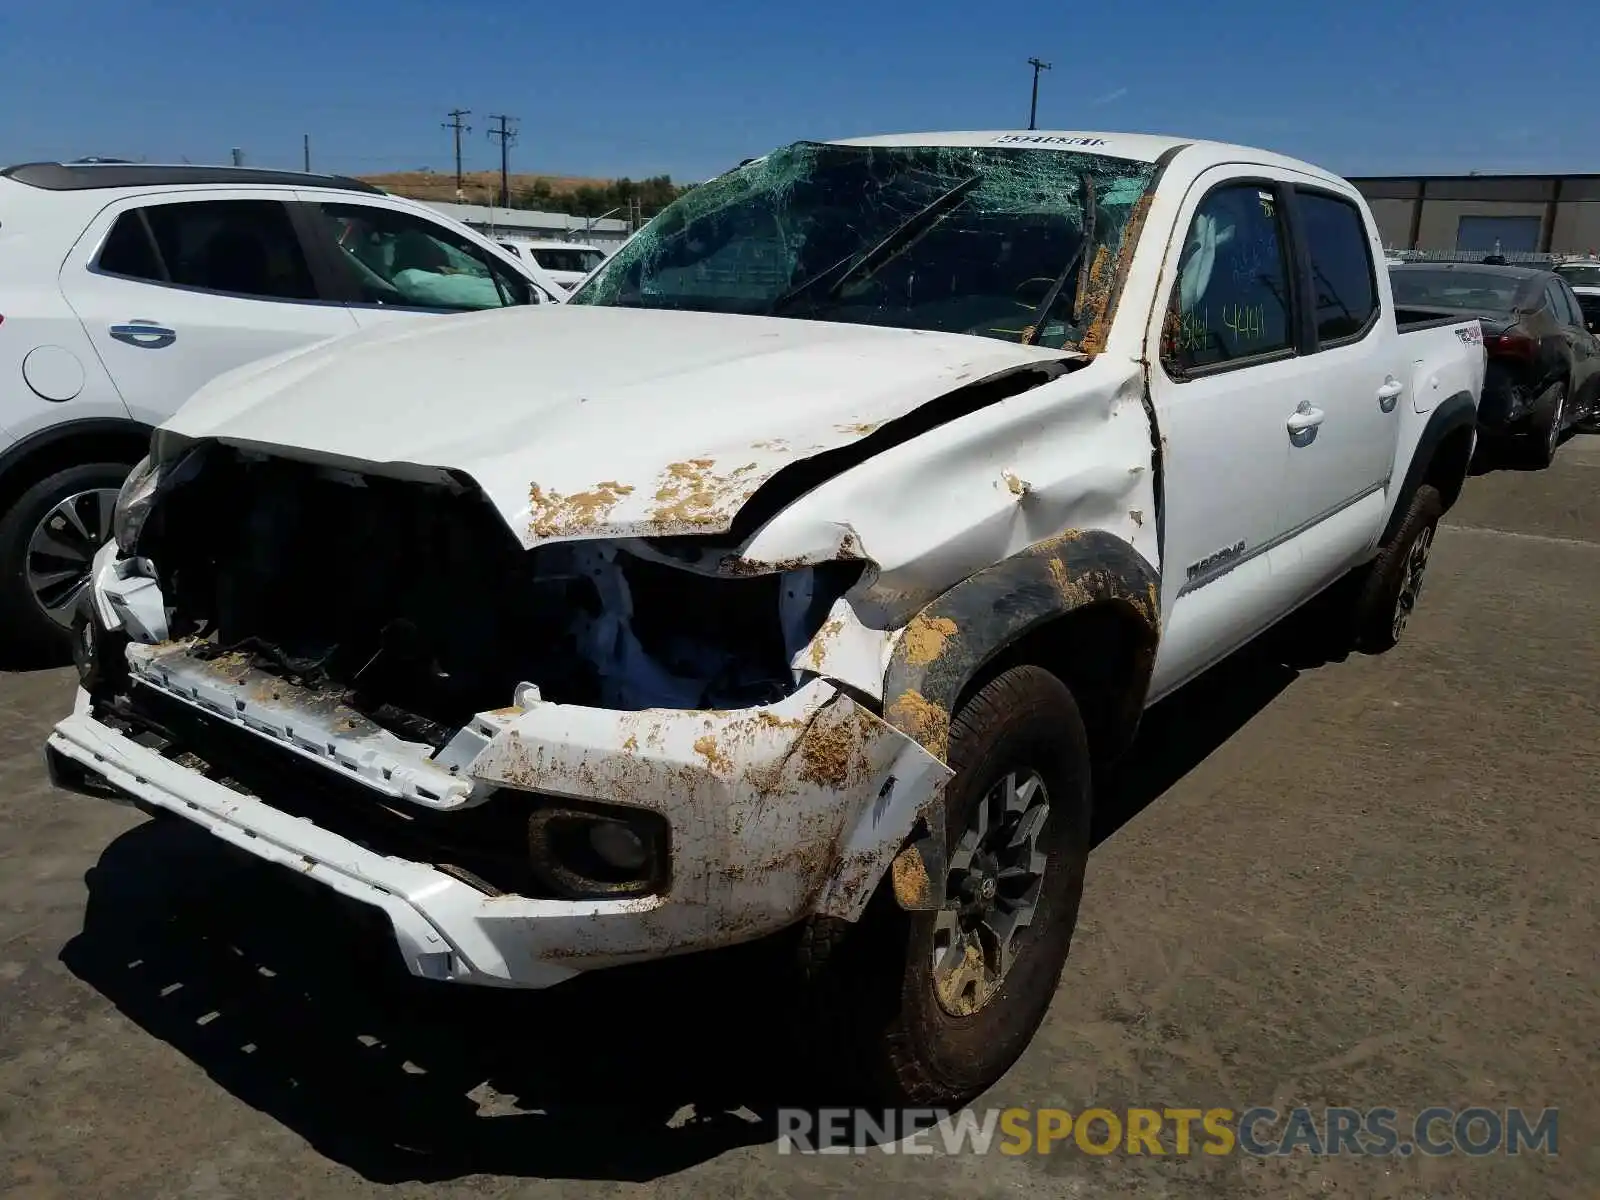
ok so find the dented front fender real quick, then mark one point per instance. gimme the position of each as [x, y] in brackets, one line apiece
[946, 644]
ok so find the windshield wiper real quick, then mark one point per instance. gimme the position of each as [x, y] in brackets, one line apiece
[1030, 335]
[898, 240]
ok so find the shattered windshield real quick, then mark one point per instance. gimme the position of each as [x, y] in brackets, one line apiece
[961, 239]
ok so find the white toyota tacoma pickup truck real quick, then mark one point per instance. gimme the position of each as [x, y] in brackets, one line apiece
[861, 503]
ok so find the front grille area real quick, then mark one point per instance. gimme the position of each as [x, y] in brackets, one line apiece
[485, 846]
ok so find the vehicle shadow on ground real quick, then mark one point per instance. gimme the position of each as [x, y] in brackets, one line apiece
[1492, 457]
[18, 661]
[1179, 733]
[624, 1075]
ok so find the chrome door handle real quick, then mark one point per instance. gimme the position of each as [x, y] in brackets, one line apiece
[1305, 417]
[1389, 393]
[147, 335]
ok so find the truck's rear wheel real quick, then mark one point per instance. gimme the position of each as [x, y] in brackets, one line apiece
[931, 1008]
[1393, 583]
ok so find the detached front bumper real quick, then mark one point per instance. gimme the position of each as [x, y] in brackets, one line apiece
[773, 813]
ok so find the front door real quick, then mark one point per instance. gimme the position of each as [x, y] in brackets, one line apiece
[1229, 376]
[174, 292]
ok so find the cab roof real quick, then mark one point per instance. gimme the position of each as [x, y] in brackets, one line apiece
[1136, 147]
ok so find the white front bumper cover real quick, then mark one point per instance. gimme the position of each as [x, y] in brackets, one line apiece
[774, 813]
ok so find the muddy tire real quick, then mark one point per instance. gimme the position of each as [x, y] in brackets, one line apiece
[1393, 583]
[930, 1009]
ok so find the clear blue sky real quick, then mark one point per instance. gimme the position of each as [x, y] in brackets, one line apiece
[689, 87]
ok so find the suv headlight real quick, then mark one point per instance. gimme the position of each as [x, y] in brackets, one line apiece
[133, 504]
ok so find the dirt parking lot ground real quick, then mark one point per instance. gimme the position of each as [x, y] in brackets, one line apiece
[1369, 883]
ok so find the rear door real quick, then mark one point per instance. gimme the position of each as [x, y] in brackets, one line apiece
[175, 289]
[1342, 436]
[1585, 368]
[394, 264]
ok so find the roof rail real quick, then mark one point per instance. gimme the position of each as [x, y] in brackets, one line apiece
[77, 177]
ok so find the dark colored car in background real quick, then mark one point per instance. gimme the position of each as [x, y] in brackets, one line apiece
[1544, 362]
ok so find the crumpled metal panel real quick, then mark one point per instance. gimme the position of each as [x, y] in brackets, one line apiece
[763, 804]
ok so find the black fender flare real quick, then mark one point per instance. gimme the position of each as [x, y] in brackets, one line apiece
[1455, 412]
[14, 456]
[951, 639]
[960, 632]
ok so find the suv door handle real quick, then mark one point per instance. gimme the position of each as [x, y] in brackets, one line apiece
[1305, 417]
[1389, 393]
[147, 335]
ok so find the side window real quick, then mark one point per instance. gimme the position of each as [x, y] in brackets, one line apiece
[1558, 303]
[239, 247]
[1231, 300]
[131, 251]
[1341, 265]
[1574, 306]
[399, 259]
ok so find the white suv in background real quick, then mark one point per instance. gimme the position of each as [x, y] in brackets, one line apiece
[125, 287]
[567, 263]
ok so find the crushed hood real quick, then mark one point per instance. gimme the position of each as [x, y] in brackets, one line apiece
[580, 421]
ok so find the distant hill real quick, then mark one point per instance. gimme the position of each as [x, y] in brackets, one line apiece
[573, 194]
[478, 187]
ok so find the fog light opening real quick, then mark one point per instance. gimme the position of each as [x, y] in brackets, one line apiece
[618, 846]
[585, 853]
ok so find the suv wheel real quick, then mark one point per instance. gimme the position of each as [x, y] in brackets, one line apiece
[48, 539]
[1546, 433]
[932, 1008]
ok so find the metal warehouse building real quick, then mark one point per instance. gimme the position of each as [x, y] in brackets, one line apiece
[1511, 214]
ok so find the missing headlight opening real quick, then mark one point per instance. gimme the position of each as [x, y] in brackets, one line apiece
[414, 605]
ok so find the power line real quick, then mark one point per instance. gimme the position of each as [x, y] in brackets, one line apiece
[507, 135]
[1033, 108]
[454, 123]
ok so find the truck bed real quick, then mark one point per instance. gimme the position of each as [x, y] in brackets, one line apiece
[1410, 320]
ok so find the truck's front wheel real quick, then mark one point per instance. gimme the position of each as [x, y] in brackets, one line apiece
[931, 1008]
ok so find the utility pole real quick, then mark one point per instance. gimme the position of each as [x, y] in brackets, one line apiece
[305, 147]
[1033, 108]
[454, 123]
[507, 135]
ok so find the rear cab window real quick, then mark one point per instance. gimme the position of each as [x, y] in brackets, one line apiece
[1230, 306]
[245, 248]
[1343, 278]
